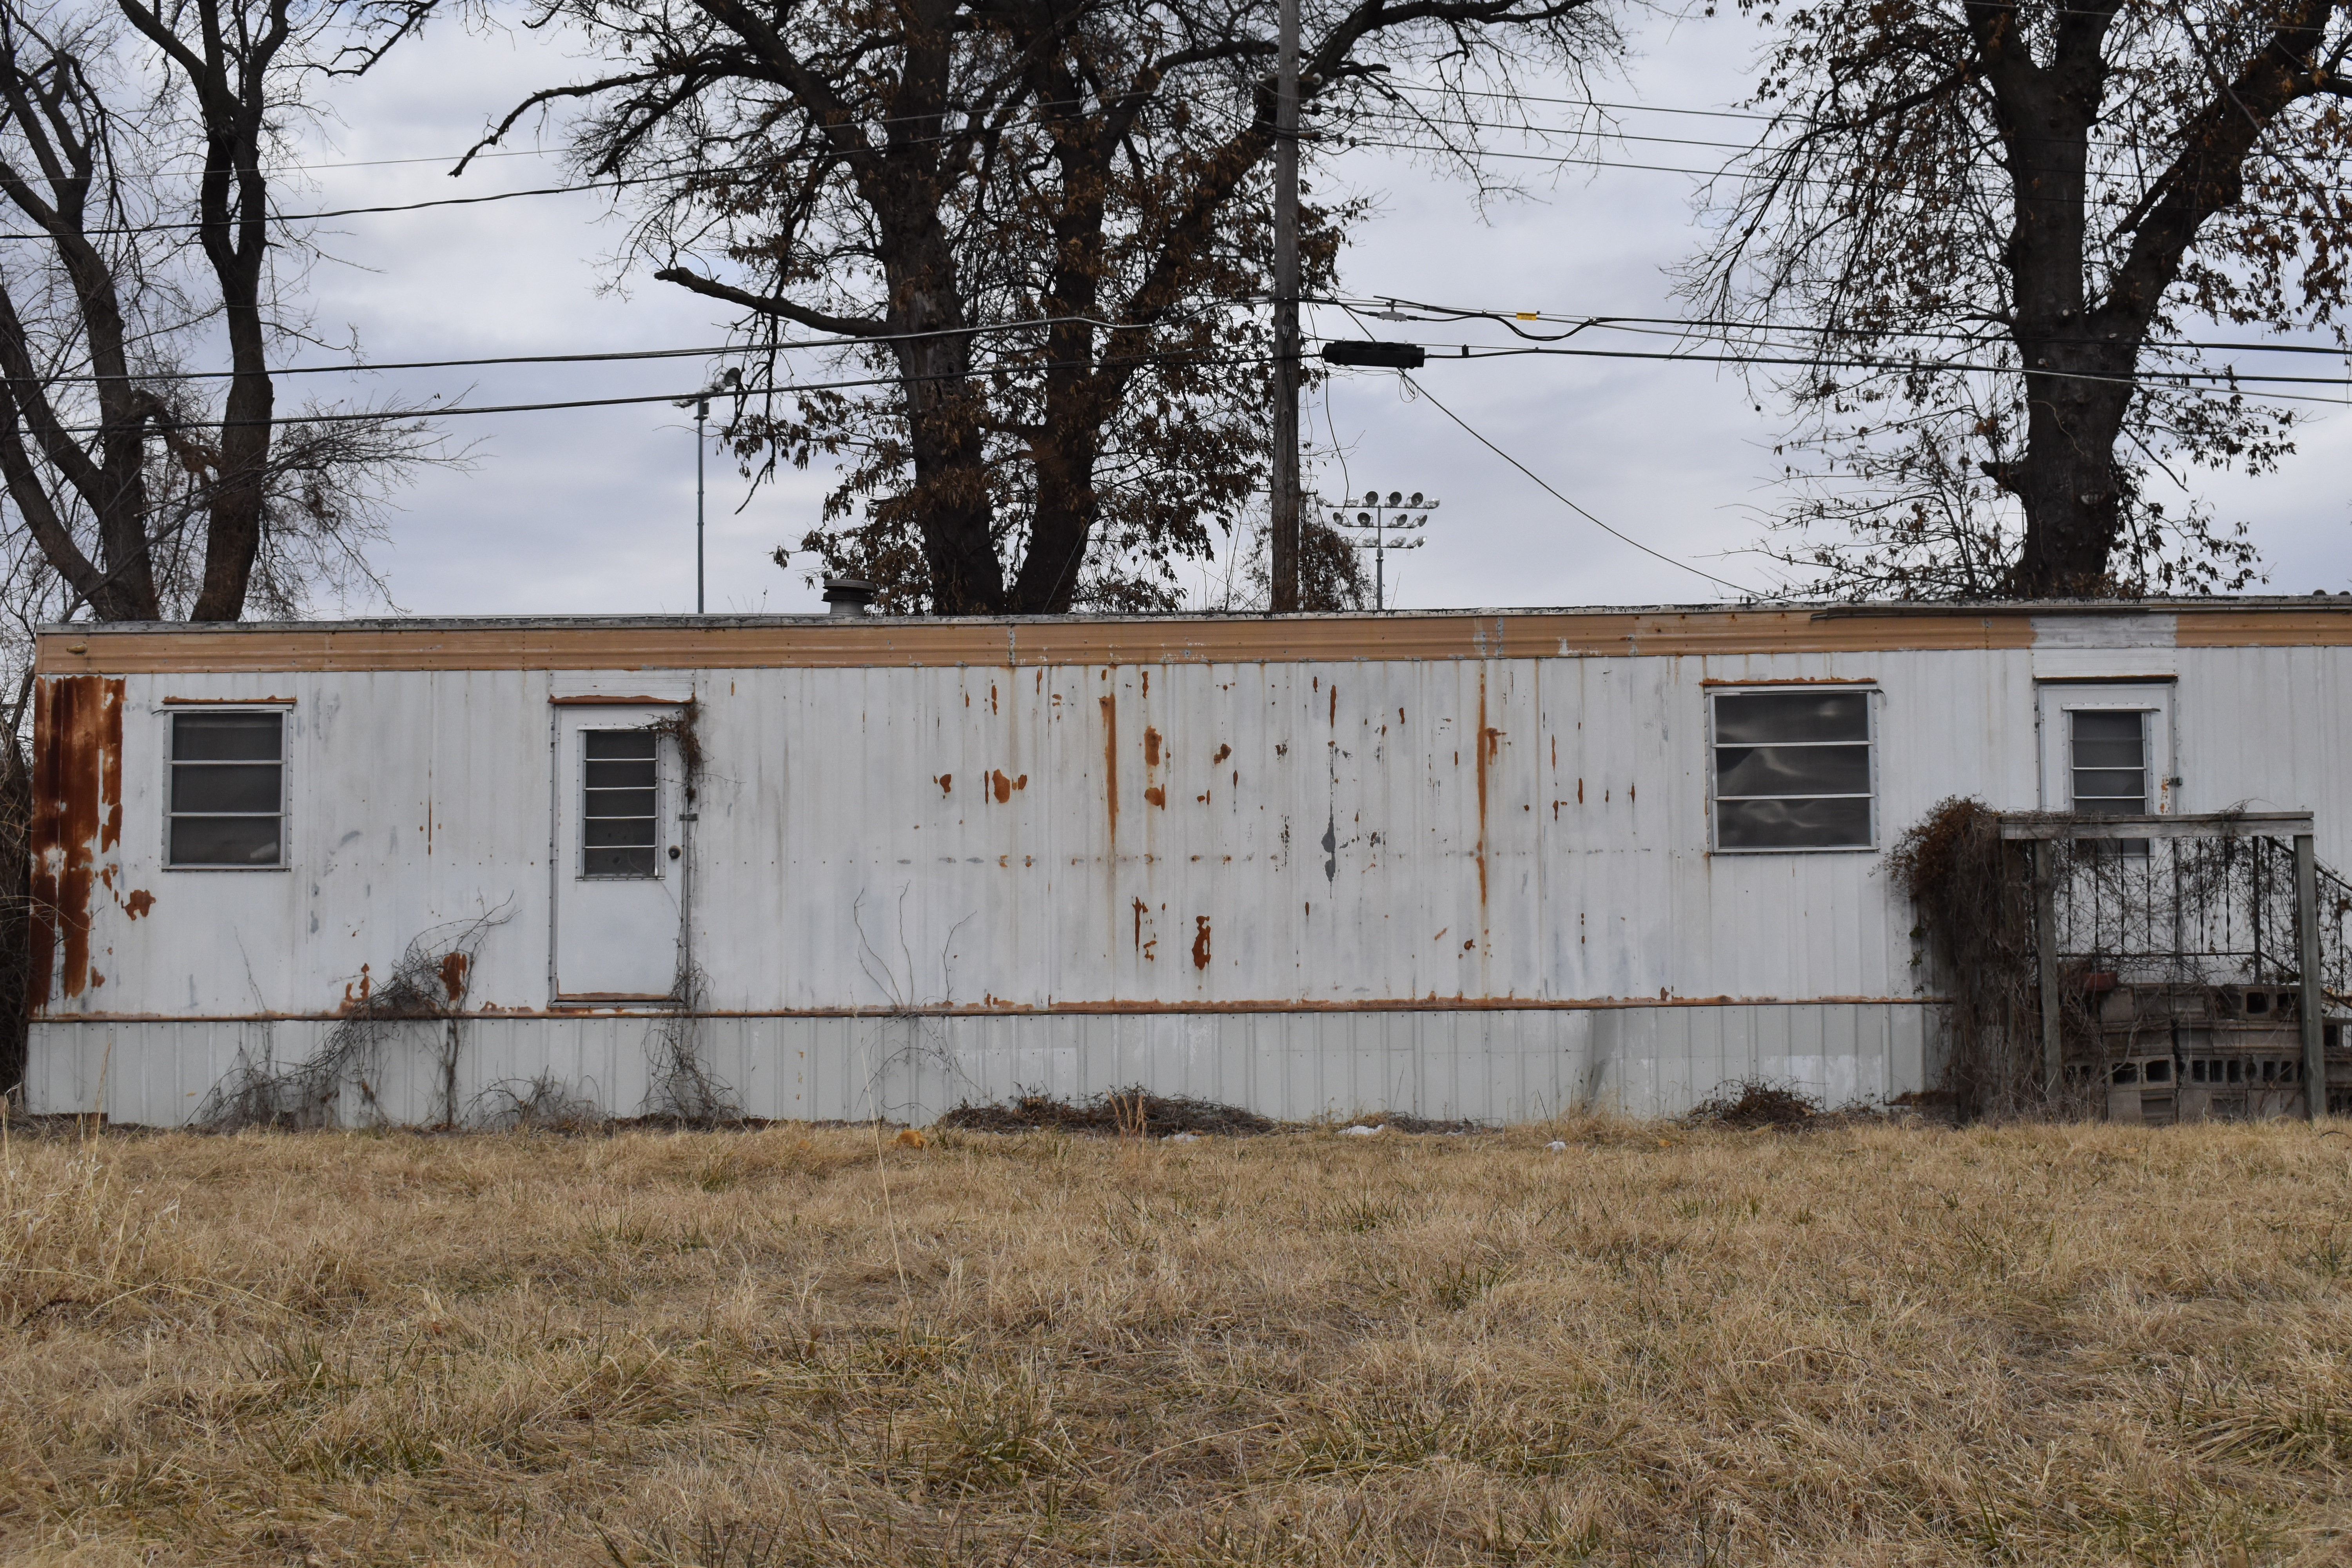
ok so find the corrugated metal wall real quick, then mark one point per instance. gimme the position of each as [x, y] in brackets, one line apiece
[1491, 1066]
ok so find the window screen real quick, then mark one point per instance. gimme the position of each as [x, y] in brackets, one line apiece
[1793, 770]
[2109, 761]
[228, 789]
[620, 787]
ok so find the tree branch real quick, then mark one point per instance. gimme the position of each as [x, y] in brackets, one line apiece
[771, 305]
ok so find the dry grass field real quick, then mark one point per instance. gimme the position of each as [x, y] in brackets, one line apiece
[1867, 1345]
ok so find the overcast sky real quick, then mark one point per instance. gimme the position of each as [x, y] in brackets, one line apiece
[592, 511]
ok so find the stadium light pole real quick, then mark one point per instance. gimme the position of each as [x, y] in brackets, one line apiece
[1380, 518]
[701, 413]
[730, 386]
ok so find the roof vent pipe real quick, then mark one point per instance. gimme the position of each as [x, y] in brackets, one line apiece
[848, 595]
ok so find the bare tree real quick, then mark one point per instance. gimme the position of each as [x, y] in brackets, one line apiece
[147, 499]
[1042, 228]
[1993, 220]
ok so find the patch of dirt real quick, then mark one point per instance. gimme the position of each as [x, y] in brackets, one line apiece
[1132, 1111]
[1753, 1103]
[1401, 1121]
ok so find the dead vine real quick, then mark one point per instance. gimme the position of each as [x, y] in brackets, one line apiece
[910, 1036]
[424, 998]
[542, 1104]
[682, 1088]
[1974, 902]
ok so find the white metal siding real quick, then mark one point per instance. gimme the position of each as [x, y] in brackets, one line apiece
[1491, 1066]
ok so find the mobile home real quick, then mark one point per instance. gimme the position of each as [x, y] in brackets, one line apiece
[1483, 865]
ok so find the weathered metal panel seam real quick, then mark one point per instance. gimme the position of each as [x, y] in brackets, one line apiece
[1098, 1009]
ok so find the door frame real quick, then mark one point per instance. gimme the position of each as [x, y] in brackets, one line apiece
[563, 860]
[2141, 694]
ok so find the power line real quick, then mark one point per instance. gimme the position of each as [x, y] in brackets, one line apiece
[1711, 324]
[620, 356]
[1614, 533]
[157, 176]
[1572, 159]
[1462, 351]
[619, 183]
[180, 223]
[745, 394]
[1440, 90]
[1473, 351]
[1760, 151]
[1817, 362]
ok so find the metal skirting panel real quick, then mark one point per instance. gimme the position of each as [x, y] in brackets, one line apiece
[1494, 1066]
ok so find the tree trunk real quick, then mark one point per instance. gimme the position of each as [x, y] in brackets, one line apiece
[2068, 481]
[2077, 369]
[1069, 437]
[954, 510]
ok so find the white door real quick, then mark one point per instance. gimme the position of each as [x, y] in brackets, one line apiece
[2106, 749]
[617, 851]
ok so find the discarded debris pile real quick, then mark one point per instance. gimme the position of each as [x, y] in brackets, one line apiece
[1402, 1121]
[1131, 1112]
[1753, 1103]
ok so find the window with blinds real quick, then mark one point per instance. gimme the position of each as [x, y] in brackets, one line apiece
[1794, 770]
[227, 804]
[621, 790]
[2108, 761]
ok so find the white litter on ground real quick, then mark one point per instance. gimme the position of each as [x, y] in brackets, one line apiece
[1359, 1130]
[1555, 1145]
[1181, 1138]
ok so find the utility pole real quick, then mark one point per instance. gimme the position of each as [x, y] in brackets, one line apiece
[1382, 517]
[701, 413]
[1285, 316]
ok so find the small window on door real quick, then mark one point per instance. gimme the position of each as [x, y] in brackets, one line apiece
[227, 805]
[619, 812]
[2107, 760]
[2107, 748]
[1792, 771]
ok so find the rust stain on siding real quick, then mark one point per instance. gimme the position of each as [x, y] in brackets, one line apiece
[1200, 941]
[1150, 747]
[1111, 768]
[76, 817]
[946, 782]
[1478, 753]
[1156, 795]
[139, 901]
[453, 974]
[1005, 786]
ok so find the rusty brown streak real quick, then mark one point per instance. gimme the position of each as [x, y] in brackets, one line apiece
[1478, 755]
[1110, 769]
[77, 815]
